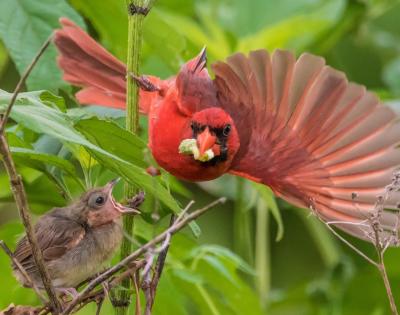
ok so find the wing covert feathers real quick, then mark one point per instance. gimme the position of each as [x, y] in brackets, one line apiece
[316, 139]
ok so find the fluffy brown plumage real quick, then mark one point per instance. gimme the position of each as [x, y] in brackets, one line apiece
[75, 240]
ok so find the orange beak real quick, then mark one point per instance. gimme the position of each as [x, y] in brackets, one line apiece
[205, 141]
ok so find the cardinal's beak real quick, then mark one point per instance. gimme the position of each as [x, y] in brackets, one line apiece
[122, 209]
[205, 141]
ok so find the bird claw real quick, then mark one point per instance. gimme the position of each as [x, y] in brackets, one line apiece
[68, 292]
[137, 200]
[144, 83]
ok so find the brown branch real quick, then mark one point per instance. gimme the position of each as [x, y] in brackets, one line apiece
[152, 288]
[18, 189]
[28, 279]
[380, 250]
[177, 226]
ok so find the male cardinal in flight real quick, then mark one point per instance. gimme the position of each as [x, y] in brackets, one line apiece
[297, 126]
[76, 240]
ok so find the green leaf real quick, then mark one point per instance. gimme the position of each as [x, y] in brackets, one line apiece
[40, 161]
[219, 266]
[117, 141]
[24, 27]
[187, 275]
[222, 253]
[52, 100]
[43, 119]
[269, 199]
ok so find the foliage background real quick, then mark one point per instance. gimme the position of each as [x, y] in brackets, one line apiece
[255, 255]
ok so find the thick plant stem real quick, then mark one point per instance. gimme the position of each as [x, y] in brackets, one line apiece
[135, 21]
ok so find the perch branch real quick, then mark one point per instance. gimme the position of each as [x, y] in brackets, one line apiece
[18, 189]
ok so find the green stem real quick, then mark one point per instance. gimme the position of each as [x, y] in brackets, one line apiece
[243, 244]
[262, 254]
[207, 298]
[135, 22]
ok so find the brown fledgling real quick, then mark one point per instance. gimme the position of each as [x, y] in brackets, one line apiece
[76, 240]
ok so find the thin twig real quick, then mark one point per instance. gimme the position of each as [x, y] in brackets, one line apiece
[359, 252]
[382, 268]
[184, 211]
[22, 270]
[138, 309]
[99, 305]
[159, 269]
[18, 189]
[177, 226]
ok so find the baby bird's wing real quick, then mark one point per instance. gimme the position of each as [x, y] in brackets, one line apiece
[55, 235]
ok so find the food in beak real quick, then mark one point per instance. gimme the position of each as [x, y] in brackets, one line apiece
[189, 147]
[203, 149]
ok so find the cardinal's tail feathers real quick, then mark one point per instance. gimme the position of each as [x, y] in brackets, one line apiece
[87, 64]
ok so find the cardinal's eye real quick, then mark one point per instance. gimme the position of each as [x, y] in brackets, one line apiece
[192, 125]
[226, 130]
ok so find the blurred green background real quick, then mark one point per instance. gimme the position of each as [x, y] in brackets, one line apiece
[255, 255]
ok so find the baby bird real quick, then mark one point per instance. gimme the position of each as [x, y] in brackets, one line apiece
[76, 240]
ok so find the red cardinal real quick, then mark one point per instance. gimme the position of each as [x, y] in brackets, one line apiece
[297, 126]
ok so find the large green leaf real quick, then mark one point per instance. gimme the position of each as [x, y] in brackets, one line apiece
[24, 27]
[116, 140]
[47, 120]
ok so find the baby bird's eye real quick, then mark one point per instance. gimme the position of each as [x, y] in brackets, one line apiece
[97, 200]
[100, 201]
[226, 130]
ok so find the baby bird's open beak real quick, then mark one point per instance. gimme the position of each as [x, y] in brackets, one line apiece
[120, 208]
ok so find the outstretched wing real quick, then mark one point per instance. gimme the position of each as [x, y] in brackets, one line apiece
[55, 235]
[313, 137]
